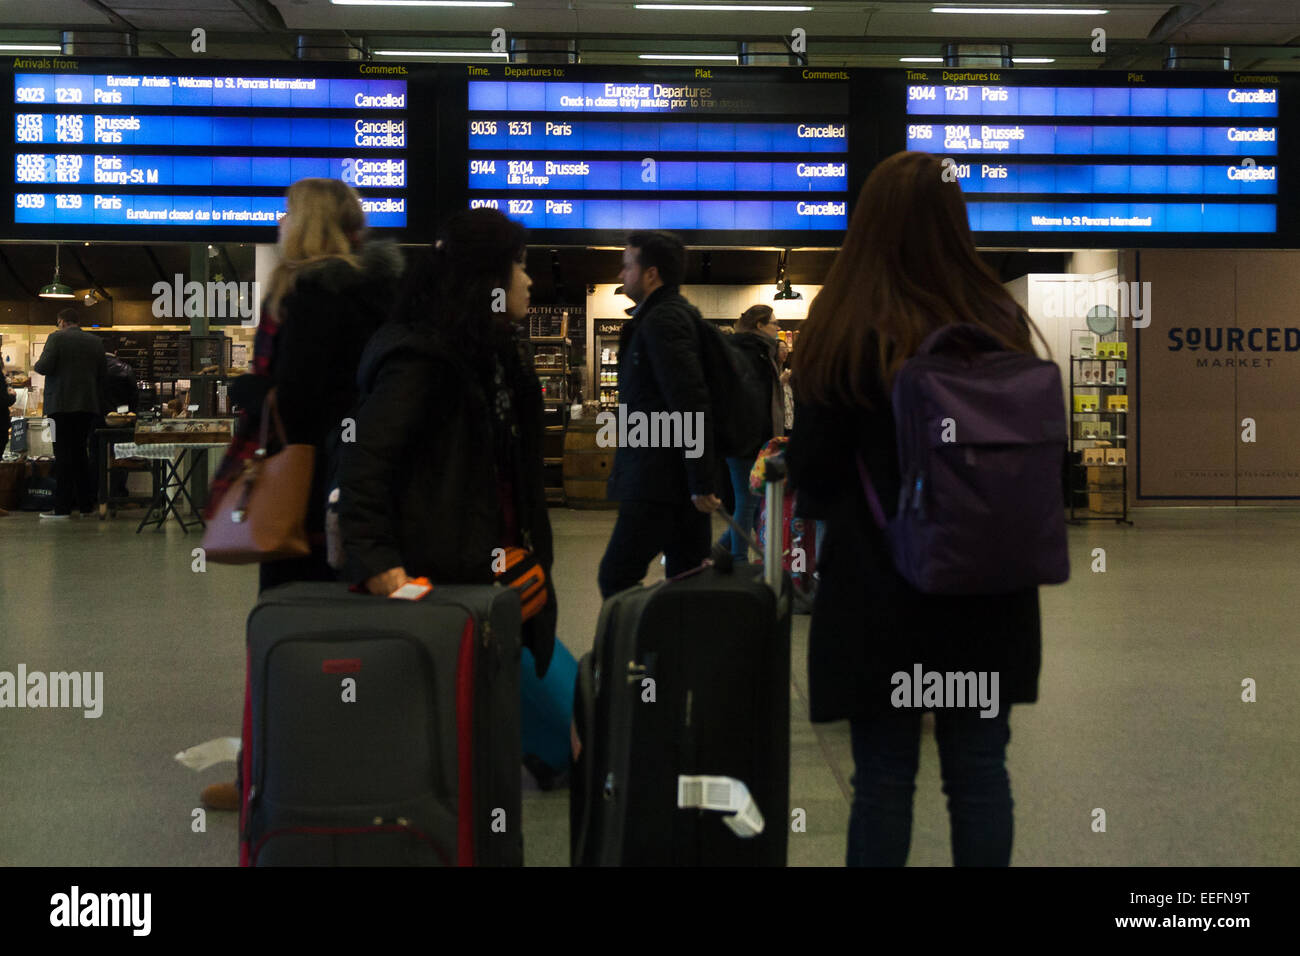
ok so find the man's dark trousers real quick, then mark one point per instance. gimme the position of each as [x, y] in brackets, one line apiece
[643, 529]
[74, 475]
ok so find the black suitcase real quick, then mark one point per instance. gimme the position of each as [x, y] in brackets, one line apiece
[416, 763]
[712, 648]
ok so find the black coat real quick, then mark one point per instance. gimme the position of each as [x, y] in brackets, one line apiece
[418, 488]
[761, 351]
[868, 622]
[325, 321]
[659, 370]
[120, 386]
[74, 365]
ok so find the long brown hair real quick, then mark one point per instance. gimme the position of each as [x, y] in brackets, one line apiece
[907, 267]
[322, 217]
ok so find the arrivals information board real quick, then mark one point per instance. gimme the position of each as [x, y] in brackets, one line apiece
[1127, 156]
[102, 153]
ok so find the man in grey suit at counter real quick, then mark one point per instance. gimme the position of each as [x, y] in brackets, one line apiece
[74, 365]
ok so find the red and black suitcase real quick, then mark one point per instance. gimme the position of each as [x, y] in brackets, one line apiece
[382, 732]
[683, 708]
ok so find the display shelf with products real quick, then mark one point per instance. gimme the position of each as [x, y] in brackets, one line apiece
[1098, 479]
[548, 328]
[605, 386]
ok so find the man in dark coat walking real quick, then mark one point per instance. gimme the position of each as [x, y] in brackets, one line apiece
[74, 365]
[665, 489]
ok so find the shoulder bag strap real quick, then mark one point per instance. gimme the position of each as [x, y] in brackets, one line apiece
[873, 501]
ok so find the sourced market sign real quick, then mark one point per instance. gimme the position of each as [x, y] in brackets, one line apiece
[1217, 370]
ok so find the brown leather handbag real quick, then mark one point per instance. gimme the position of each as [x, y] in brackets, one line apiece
[262, 516]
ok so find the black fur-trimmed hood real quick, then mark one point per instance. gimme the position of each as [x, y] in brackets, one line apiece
[380, 261]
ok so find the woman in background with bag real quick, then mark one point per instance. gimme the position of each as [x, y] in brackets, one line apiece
[444, 480]
[908, 267]
[327, 295]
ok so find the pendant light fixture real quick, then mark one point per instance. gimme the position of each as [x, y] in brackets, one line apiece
[783, 291]
[56, 289]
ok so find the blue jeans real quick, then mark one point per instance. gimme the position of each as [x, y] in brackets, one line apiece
[972, 757]
[746, 504]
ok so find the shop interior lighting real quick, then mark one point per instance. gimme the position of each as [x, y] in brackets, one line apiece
[783, 291]
[56, 289]
[1024, 11]
[725, 7]
[689, 56]
[30, 48]
[475, 54]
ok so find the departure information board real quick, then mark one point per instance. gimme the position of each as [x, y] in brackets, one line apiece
[1135, 155]
[100, 153]
[199, 150]
[741, 156]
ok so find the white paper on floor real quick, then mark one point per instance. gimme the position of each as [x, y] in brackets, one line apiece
[204, 755]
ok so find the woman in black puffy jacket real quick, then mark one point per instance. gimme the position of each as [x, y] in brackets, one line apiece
[446, 469]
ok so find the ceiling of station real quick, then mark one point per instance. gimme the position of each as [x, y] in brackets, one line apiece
[1263, 34]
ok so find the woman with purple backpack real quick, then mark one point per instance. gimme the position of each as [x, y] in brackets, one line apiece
[881, 651]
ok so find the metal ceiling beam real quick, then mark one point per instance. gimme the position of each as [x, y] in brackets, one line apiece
[113, 15]
[263, 13]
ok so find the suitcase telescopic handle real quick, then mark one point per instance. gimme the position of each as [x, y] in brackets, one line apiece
[775, 504]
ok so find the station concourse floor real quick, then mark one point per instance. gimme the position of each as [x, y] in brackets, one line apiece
[1139, 711]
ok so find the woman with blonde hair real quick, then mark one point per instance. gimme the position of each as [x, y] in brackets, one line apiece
[327, 295]
[908, 267]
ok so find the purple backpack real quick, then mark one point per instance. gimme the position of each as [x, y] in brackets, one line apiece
[981, 443]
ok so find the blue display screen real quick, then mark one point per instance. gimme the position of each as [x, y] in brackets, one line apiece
[782, 166]
[627, 214]
[1122, 217]
[141, 134]
[499, 172]
[1158, 180]
[118, 209]
[928, 100]
[232, 132]
[96, 169]
[1195, 143]
[71, 89]
[683, 137]
[1002, 139]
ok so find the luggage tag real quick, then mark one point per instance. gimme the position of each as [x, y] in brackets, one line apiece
[413, 590]
[726, 794]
